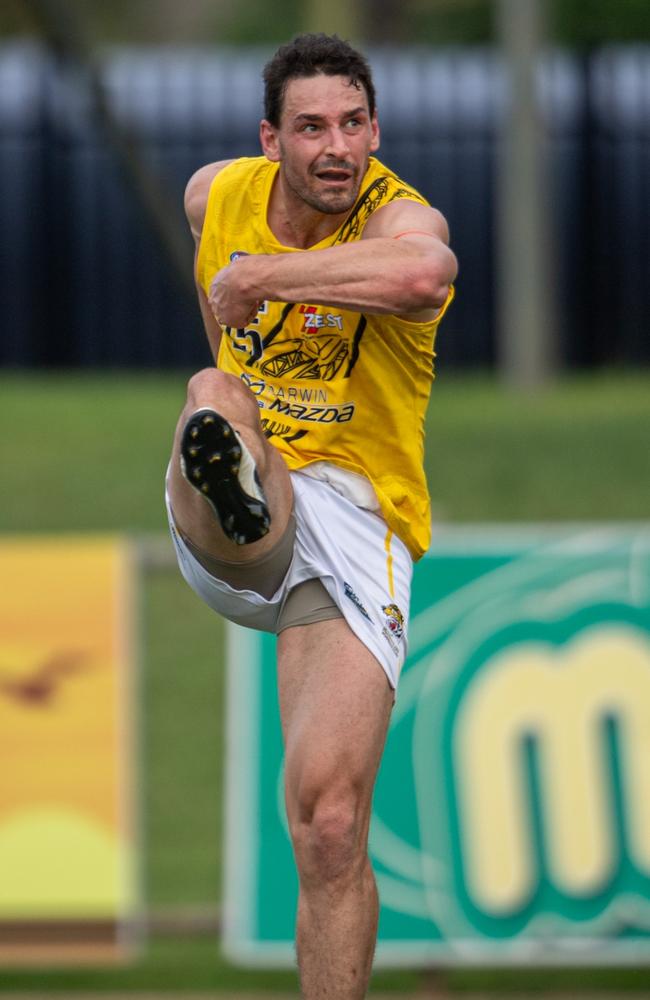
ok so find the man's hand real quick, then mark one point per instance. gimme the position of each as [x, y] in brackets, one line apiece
[231, 303]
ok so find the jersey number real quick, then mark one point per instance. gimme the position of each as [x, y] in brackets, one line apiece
[248, 341]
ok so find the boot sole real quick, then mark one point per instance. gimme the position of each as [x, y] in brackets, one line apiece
[214, 460]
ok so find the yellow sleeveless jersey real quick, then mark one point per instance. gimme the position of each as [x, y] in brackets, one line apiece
[332, 385]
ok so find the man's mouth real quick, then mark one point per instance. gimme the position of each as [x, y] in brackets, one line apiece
[334, 175]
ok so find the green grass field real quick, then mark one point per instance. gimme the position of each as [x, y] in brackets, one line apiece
[88, 452]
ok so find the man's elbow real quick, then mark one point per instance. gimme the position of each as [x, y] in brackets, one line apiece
[431, 285]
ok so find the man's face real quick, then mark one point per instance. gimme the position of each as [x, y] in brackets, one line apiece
[325, 137]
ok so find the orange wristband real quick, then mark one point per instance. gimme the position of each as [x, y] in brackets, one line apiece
[421, 232]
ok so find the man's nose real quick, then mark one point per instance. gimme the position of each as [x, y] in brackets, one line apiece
[337, 143]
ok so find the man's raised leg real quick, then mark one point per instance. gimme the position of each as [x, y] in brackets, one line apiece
[335, 704]
[246, 450]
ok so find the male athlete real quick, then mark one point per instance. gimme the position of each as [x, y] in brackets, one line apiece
[296, 491]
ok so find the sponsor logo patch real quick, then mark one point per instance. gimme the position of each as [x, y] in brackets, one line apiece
[295, 394]
[315, 414]
[315, 320]
[349, 592]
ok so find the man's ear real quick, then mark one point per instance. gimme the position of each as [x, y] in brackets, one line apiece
[269, 141]
[374, 142]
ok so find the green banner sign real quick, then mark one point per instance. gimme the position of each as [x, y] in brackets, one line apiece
[511, 819]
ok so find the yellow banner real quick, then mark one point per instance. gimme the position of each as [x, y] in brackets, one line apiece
[66, 833]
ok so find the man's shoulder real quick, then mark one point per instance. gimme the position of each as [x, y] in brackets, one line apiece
[197, 192]
[200, 184]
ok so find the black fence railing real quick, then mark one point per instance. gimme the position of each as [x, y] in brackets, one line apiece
[84, 282]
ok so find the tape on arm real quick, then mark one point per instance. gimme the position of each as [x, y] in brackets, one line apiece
[420, 232]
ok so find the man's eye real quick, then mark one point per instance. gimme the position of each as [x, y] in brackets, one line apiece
[310, 127]
[353, 123]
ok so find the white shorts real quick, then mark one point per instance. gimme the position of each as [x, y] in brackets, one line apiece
[364, 567]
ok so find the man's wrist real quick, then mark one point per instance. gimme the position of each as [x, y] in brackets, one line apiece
[247, 272]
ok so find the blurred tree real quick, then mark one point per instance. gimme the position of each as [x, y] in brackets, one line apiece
[386, 21]
[16, 19]
[587, 23]
[448, 22]
[332, 16]
[166, 20]
[581, 23]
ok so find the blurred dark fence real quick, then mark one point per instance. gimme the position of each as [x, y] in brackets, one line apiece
[83, 281]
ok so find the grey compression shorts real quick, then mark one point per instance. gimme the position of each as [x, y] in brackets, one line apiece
[307, 603]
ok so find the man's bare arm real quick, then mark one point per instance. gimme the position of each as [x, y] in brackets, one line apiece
[401, 266]
[196, 199]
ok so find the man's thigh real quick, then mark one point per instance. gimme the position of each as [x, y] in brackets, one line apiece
[335, 704]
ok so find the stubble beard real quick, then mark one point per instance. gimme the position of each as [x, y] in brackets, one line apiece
[334, 203]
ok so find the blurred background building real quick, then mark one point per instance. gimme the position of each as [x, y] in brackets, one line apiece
[106, 110]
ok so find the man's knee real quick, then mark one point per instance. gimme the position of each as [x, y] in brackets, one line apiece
[328, 837]
[212, 387]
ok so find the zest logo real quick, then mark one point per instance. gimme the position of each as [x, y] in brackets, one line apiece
[315, 320]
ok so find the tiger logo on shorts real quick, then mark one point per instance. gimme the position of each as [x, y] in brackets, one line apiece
[394, 619]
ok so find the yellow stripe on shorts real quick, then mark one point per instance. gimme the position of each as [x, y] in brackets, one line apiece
[389, 562]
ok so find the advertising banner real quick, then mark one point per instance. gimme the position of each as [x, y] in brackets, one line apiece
[511, 820]
[67, 833]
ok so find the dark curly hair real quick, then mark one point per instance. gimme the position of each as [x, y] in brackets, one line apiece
[307, 55]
